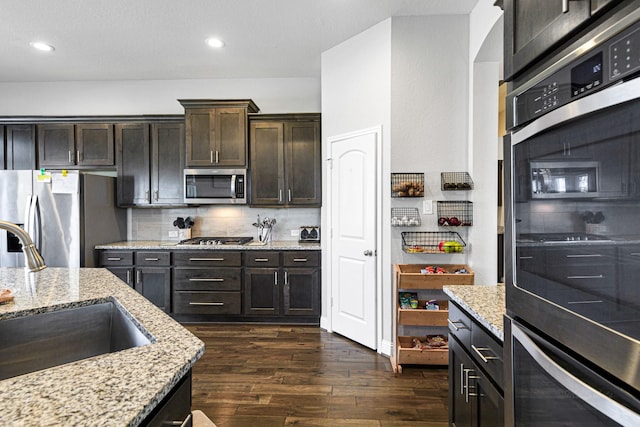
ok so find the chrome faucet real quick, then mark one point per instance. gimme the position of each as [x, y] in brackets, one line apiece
[34, 259]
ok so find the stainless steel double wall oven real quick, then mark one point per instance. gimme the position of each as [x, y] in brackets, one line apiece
[572, 331]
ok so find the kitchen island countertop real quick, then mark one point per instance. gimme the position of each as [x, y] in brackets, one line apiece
[278, 245]
[113, 389]
[486, 304]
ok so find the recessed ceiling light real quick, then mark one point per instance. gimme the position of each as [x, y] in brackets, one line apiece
[42, 46]
[214, 42]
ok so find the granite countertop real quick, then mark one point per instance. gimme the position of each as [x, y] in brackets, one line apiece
[114, 389]
[486, 304]
[279, 245]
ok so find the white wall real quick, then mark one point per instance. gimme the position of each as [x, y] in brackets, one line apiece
[356, 85]
[134, 97]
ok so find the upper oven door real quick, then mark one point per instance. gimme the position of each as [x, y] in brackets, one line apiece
[582, 291]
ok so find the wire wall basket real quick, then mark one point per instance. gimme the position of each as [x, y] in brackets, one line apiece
[407, 185]
[432, 242]
[455, 181]
[455, 213]
[405, 217]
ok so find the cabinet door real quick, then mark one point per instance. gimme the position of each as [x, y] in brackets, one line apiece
[94, 144]
[56, 145]
[459, 399]
[20, 147]
[532, 27]
[261, 291]
[199, 136]
[301, 292]
[267, 163]
[167, 163]
[123, 273]
[303, 164]
[154, 283]
[230, 137]
[488, 402]
[629, 264]
[132, 146]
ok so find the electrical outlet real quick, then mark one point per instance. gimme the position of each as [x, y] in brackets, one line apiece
[295, 233]
[173, 233]
[427, 207]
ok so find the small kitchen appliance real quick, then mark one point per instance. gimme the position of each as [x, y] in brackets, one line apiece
[309, 234]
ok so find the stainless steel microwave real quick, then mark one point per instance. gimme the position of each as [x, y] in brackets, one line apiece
[215, 186]
[564, 179]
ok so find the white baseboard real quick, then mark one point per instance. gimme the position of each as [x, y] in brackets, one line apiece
[324, 324]
[386, 348]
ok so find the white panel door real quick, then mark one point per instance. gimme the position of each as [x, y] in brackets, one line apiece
[353, 237]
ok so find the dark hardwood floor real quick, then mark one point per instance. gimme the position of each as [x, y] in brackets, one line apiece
[271, 375]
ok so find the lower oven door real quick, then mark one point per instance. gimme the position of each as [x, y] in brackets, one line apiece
[552, 388]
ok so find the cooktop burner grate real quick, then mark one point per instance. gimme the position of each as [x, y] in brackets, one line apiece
[561, 237]
[216, 241]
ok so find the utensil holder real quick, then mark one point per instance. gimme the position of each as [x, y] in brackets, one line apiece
[184, 233]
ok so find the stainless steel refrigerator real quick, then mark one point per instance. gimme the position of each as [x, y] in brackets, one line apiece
[66, 213]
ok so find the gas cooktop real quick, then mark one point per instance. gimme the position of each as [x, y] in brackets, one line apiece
[561, 237]
[209, 241]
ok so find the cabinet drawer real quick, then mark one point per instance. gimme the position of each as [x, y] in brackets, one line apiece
[583, 255]
[460, 325]
[301, 259]
[116, 258]
[207, 279]
[153, 258]
[414, 356]
[207, 259]
[488, 353]
[420, 316]
[262, 258]
[207, 302]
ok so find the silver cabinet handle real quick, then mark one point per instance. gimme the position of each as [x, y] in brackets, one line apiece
[138, 277]
[261, 259]
[70, 159]
[289, 194]
[78, 155]
[128, 277]
[526, 257]
[300, 260]
[484, 358]
[602, 403]
[286, 278]
[275, 277]
[217, 157]
[454, 324]
[155, 195]
[599, 276]
[217, 304]
[584, 256]
[211, 156]
[280, 195]
[213, 279]
[114, 259]
[634, 254]
[206, 259]
[152, 259]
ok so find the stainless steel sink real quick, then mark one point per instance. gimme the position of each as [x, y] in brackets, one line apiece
[41, 341]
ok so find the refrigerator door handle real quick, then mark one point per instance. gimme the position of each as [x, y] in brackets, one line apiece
[32, 222]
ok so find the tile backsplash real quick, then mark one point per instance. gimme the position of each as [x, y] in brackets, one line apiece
[157, 224]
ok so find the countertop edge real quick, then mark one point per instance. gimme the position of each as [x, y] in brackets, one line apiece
[485, 303]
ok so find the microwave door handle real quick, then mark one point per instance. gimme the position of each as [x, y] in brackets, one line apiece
[603, 404]
[233, 186]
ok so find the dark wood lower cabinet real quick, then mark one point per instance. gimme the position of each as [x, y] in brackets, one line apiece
[205, 285]
[175, 408]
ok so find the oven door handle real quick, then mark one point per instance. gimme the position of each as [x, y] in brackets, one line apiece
[603, 404]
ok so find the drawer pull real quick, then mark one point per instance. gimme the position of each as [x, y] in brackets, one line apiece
[152, 259]
[300, 260]
[484, 358]
[206, 259]
[114, 259]
[635, 254]
[213, 279]
[599, 276]
[526, 257]
[261, 259]
[584, 256]
[207, 303]
[454, 324]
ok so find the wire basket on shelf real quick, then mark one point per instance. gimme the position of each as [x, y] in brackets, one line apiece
[455, 213]
[405, 217]
[455, 181]
[407, 185]
[432, 242]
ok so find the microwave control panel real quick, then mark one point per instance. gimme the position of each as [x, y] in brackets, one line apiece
[613, 60]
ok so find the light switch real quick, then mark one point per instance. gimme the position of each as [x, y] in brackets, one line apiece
[427, 207]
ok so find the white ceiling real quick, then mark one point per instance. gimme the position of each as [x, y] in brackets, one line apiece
[164, 39]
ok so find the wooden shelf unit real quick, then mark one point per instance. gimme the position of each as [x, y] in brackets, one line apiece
[408, 278]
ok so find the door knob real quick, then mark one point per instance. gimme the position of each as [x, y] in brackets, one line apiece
[368, 252]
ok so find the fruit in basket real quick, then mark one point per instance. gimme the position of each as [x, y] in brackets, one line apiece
[443, 221]
[454, 221]
[452, 246]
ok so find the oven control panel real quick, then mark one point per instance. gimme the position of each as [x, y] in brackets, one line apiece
[615, 59]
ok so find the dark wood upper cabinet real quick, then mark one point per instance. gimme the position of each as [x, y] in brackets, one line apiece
[19, 150]
[150, 159]
[216, 132]
[68, 145]
[533, 27]
[285, 160]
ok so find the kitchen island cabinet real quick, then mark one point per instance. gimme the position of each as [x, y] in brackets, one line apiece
[125, 388]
